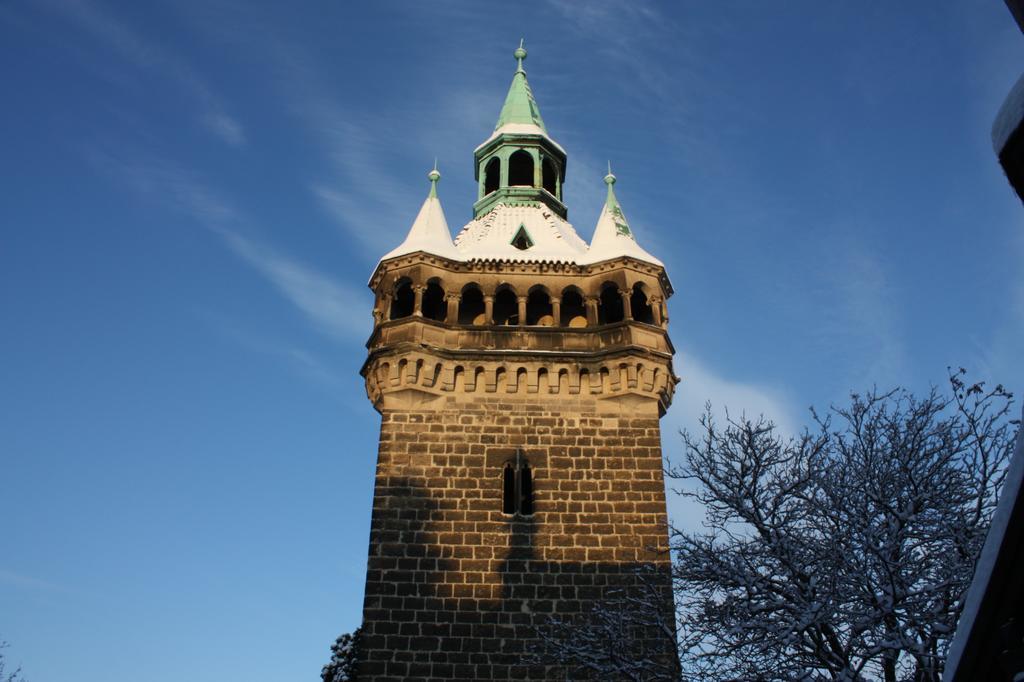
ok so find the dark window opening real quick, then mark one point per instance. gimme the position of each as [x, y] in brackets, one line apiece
[509, 501]
[538, 309]
[639, 306]
[610, 307]
[574, 312]
[492, 175]
[522, 239]
[517, 481]
[471, 307]
[506, 308]
[404, 300]
[520, 169]
[434, 306]
[549, 175]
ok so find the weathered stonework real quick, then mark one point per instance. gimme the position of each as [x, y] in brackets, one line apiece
[520, 374]
[456, 588]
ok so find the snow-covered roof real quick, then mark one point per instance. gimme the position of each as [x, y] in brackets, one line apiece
[612, 236]
[429, 232]
[519, 129]
[521, 232]
[548, 237]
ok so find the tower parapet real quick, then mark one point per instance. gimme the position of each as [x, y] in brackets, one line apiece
[520, 374]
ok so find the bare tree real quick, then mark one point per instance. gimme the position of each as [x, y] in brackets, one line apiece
[625, 636]
[844, 553]
[6, 676]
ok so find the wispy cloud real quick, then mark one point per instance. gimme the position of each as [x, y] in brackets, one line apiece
[330, 305]
[141, 52]
[859, 319]
[360, 195]
[326, 302]
[26, 581]
[701, 384]
[303, 362]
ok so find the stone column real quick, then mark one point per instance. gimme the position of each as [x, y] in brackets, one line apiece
[591, 303]
[522, 310]
[655, 304]
[627, 305]
[452, 316]
[488, 310]
[556, 311]
[385, 307]
[417, 306]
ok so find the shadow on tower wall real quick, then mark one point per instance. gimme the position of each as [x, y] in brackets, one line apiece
[467, 599]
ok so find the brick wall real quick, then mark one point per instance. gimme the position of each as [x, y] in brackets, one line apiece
[454, 587]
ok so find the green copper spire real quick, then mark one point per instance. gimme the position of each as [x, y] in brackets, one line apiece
[520, 107]
[612, 204]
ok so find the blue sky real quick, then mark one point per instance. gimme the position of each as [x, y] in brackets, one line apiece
[195, 194]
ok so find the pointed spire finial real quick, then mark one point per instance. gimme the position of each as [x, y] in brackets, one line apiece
[434, 176]
[520, 55]
[609, 179]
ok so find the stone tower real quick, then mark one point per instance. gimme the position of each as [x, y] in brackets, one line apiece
[520, 375]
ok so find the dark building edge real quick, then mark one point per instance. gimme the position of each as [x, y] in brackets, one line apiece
[989, 640]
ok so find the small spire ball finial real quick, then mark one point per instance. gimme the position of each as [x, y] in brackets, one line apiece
[609, 179]
[434, 176]
[520, 54]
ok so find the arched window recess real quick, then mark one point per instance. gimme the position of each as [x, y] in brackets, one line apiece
[492, 176]
[518, 486]
[520, 169]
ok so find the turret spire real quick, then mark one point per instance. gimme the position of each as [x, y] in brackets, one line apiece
[613, 236]
[520, 107]
[429, 232]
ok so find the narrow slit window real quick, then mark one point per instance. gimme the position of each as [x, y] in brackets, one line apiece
[510, 489]
[525, 490]
[518, 487]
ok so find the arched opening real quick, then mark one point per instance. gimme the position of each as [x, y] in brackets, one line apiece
[520, 169]
[639, 306]
[585, 380]
[492, 175]
[549, 175]
[433, 305]
[404, 299]
[506, 307]
[574, 312]
[471, 305]
[610, 308]
[538, 308]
